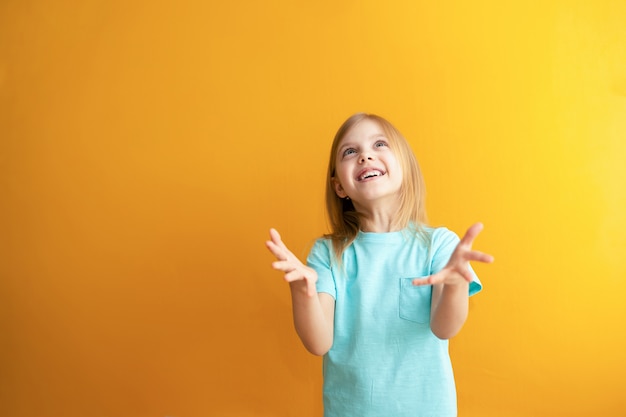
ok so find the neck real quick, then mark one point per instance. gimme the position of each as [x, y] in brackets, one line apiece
[378, 219]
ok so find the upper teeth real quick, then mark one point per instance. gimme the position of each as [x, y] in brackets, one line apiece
[368, 174]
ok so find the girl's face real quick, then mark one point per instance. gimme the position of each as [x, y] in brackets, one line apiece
[367, 169]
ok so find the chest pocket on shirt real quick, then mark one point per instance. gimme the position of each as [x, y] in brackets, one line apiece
[414, 301]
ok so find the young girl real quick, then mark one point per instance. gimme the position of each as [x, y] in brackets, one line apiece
[382, 293]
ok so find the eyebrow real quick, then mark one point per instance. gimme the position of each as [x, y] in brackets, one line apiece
[374, 136]
[377, 136]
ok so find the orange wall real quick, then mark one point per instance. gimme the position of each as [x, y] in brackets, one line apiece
[147, 147]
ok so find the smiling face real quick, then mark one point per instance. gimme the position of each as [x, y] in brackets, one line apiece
[366, 167]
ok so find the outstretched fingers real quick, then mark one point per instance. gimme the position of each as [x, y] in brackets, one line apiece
[289, 264]
[470, 235]
[457, 269]
[466, 243]
[430, 280]
[477, 256]
[443, 277]
[276, 246]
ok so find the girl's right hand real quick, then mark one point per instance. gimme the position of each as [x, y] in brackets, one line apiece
[288, 263]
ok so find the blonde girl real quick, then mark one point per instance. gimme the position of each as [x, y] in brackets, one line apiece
[381, 295]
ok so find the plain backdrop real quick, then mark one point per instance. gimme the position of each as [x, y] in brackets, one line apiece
[147, 147]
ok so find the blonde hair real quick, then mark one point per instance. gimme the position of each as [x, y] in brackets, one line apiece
[344, 219]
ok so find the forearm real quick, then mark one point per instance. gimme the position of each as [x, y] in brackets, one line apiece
[450, 310]
[313, 318]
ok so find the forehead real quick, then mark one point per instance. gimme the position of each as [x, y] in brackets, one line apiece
[365, 129]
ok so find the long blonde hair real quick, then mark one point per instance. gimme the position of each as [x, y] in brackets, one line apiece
[344, 219]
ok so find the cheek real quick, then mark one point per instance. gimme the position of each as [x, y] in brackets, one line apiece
[342, 171]
[396, 163]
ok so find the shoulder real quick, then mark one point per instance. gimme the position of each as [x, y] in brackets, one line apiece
[443, 241]
[434, 236]
[321, 250]
[443, 236]
[321, 243]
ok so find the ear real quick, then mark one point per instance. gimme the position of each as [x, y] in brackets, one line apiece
[338, 188]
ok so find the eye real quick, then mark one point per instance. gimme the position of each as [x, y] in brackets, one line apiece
[380, 144]
[348, 151]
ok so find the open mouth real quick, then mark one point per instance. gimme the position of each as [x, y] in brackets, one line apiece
[370, 173]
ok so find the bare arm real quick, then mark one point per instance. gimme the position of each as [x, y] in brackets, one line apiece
[313, 319]
[449, 309]
[450, 298]
[313, 313]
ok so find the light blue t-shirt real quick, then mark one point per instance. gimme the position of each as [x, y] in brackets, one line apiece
[385, 360]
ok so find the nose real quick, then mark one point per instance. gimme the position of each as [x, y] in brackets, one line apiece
[365, 156]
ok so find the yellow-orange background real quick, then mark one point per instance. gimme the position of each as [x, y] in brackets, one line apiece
[147, 147]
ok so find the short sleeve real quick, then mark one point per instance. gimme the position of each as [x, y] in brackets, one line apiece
[320, 259]
[443, 243]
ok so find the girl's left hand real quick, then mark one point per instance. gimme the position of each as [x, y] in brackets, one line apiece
[457, 270]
